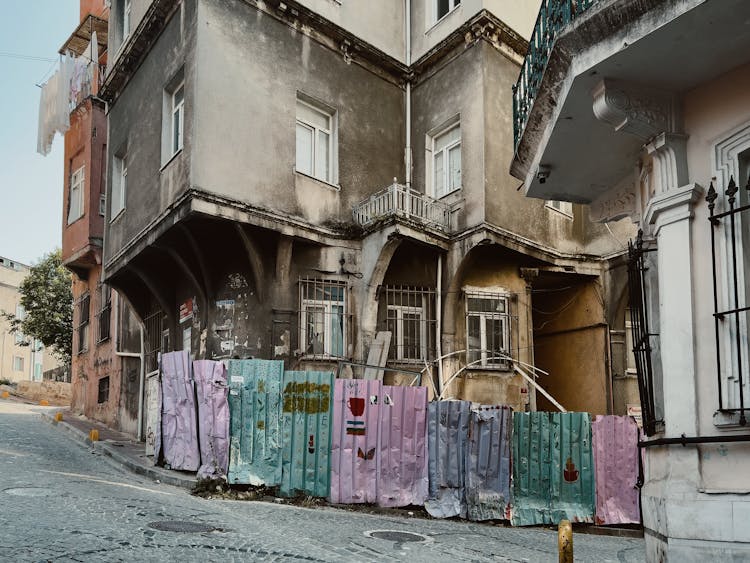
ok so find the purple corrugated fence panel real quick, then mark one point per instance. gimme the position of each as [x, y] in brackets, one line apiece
[488, 463]
[178, 420]
[615, 442]
[213, 418]
[355, 440]
[402, 446]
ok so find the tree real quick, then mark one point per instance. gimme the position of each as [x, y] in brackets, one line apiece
[47, 298]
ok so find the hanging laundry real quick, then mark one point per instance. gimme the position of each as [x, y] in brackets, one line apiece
[54, 111]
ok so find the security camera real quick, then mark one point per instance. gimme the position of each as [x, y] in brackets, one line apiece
[542, 174]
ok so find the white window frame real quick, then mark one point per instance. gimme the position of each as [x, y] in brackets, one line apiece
[20, 315]
[452, 5]
[127, 9]
[18, 363]
[177, 114]
[487, 362]
[119, 186]
[399, 336]
[563, 207]
[331, 115]
[432, 138]
[326, 305]
[77, 186]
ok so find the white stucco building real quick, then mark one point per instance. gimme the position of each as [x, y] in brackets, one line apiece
[642, 110]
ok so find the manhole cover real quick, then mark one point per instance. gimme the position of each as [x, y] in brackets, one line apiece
[30, 492]
[396, 536]
[181, 526]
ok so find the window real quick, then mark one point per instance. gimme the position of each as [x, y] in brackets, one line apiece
[119, 186]
[487, 329]
[82, 329]
[178, 118]
[323, 318]
[443, 7]
[103, 395]
[410, 318]
[125, 17]
[20, 315]
[104, 314]
[315, 142]
[37, 372]
[564, 207]
[102, 204]
[17, 363]
[446, 161]
[75, 203]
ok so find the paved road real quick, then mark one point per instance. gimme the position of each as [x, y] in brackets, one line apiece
[61, 502]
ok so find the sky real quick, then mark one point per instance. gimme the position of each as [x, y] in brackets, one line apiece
[31, 185]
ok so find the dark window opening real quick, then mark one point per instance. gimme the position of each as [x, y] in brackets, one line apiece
[103, 395]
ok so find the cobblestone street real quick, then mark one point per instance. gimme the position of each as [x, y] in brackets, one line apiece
[61, 502]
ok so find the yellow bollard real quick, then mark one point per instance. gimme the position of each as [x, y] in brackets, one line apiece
[6, 394]
[94, 435]
[565, 541]
[58, 417]
[44, 402]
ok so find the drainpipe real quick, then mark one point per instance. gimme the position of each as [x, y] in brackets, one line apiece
[439, 323]
[407, 149]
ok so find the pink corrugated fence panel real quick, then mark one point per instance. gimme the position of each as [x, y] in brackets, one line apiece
[213, 418]
[178, 421]
[355, 441]
[615, 444]
[402, 447]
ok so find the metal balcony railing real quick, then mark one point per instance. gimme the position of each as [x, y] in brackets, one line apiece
[553, 16]
[399, 201]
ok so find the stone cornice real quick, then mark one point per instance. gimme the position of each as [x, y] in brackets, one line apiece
[671, 206]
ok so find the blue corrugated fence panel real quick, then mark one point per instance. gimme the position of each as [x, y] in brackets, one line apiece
[255, 414]
[488, 463]
[553, 473]
[447, 435]
[307, 400]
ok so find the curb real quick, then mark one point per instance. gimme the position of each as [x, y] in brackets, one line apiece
[154, 473]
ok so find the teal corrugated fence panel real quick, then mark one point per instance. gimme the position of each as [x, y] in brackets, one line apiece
[255, 421]
[553, 468]
[307, 400]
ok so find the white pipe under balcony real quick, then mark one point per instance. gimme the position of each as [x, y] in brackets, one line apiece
[399, 201]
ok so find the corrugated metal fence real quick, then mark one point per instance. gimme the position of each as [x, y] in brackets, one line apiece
[553, 468]
[358, 441]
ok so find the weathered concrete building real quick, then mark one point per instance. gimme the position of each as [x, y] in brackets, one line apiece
[105, 381]
[290, 179]
[640, 109]
[21, 357]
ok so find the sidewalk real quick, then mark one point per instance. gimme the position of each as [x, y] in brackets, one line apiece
[119, 447]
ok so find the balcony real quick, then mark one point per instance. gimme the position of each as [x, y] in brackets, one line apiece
[398, 201]
[604, 78]
[553, 16]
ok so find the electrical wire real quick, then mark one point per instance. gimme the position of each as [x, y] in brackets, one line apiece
[22, 57]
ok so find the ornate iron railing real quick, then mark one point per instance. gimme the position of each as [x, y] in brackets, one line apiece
[642, 336]
[398, 200]
[730, 309]
[553, 16]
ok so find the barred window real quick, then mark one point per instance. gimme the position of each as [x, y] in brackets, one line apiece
[82, 328]
[104, 315]
[488, 328]
[323, 318]
[410, 318]
[153, 339]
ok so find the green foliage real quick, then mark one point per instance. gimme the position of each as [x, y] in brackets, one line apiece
[47, 297]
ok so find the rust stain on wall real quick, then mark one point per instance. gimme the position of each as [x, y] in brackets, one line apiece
[306, 397]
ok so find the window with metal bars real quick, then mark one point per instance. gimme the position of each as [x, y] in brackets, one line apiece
[409, 315]
[730, 254]
[153, 339]
[643, 288]
[104, 315]
[82, 327]
[488, 329]
[323, 318]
